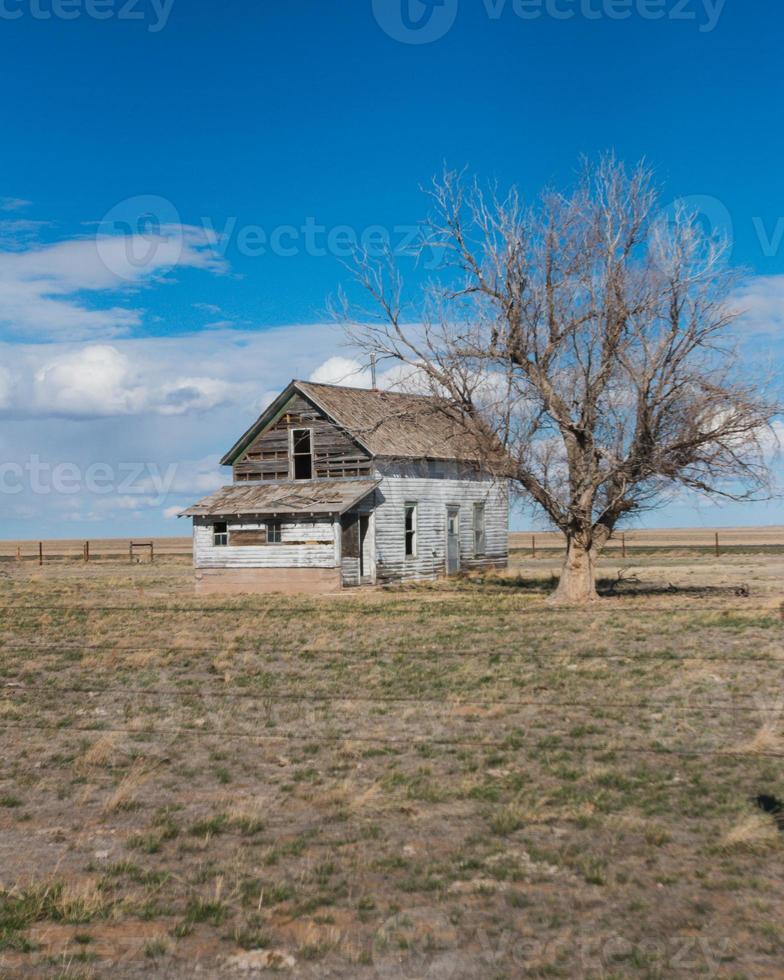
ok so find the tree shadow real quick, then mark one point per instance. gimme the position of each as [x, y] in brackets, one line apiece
[607, 587]
[612, 587]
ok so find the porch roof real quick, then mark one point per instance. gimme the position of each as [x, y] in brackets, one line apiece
[296, 497]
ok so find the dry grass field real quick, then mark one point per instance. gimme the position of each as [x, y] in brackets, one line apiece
[445, 781]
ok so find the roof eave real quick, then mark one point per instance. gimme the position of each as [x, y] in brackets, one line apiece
[199, 510]
[263, 420]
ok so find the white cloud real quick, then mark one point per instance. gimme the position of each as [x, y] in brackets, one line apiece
[40, 286]
[192, 395]
[95, 381]
[174, 512]
[13, 203]
[183, 376]
[341, 371]
[103, 381]
[760, 303]
[351, 373]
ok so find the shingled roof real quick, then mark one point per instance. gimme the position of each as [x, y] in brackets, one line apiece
[385, 423]
[316, 497]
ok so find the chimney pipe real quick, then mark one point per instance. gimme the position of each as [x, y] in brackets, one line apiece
[373, 371]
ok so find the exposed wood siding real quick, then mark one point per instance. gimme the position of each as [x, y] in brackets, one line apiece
[304, 544]
[335, 454]
[432, 497]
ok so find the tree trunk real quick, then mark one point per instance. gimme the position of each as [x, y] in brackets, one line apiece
[578, 575]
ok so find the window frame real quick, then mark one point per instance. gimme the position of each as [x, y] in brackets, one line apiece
[480, 530]
[216, 534]
[295, 455]
[410, 536]
[274, 532]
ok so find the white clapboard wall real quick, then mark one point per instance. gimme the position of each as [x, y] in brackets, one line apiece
[405, 482]
[298, 547]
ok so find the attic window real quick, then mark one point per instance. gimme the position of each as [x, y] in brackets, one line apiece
[302, 454]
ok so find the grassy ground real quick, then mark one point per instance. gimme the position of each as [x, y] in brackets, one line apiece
[447, 781]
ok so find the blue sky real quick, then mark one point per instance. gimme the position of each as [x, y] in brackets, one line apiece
[263, 136]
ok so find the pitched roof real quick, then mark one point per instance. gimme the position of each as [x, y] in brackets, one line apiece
[306, 497]
[385, 423]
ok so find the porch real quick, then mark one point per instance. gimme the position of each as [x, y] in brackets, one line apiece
[309, 536]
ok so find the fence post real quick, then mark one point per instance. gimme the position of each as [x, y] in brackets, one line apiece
[623, 544]
[717, 544]
[152, 552]
[130, 552]
[40, 552]
[86, 551]
[533, 545]
[18, 552]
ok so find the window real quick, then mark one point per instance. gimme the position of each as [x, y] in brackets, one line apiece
[302, 454]
[273, 532]
[411, 530]
[220, 534]
[479, 530]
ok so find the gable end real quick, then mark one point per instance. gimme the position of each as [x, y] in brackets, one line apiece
[264, 452]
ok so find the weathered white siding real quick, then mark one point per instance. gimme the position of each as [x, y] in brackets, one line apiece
[433, 487]
[324, 554]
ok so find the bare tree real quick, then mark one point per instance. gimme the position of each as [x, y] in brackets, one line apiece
[587, 337]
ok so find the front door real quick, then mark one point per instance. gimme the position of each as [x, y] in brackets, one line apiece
[364, 526]
[452, 540]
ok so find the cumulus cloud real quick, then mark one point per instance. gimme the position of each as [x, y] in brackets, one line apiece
[103, 381]
[342, 371]
[95, 381]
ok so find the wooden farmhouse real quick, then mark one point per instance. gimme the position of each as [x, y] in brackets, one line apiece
[339, 487]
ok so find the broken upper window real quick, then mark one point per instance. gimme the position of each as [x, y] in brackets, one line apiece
[302, 454]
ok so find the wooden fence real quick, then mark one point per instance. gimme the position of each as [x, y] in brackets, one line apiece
[714, 540]
[114, 550]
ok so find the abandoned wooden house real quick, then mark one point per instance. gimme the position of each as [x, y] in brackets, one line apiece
[339, 486]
